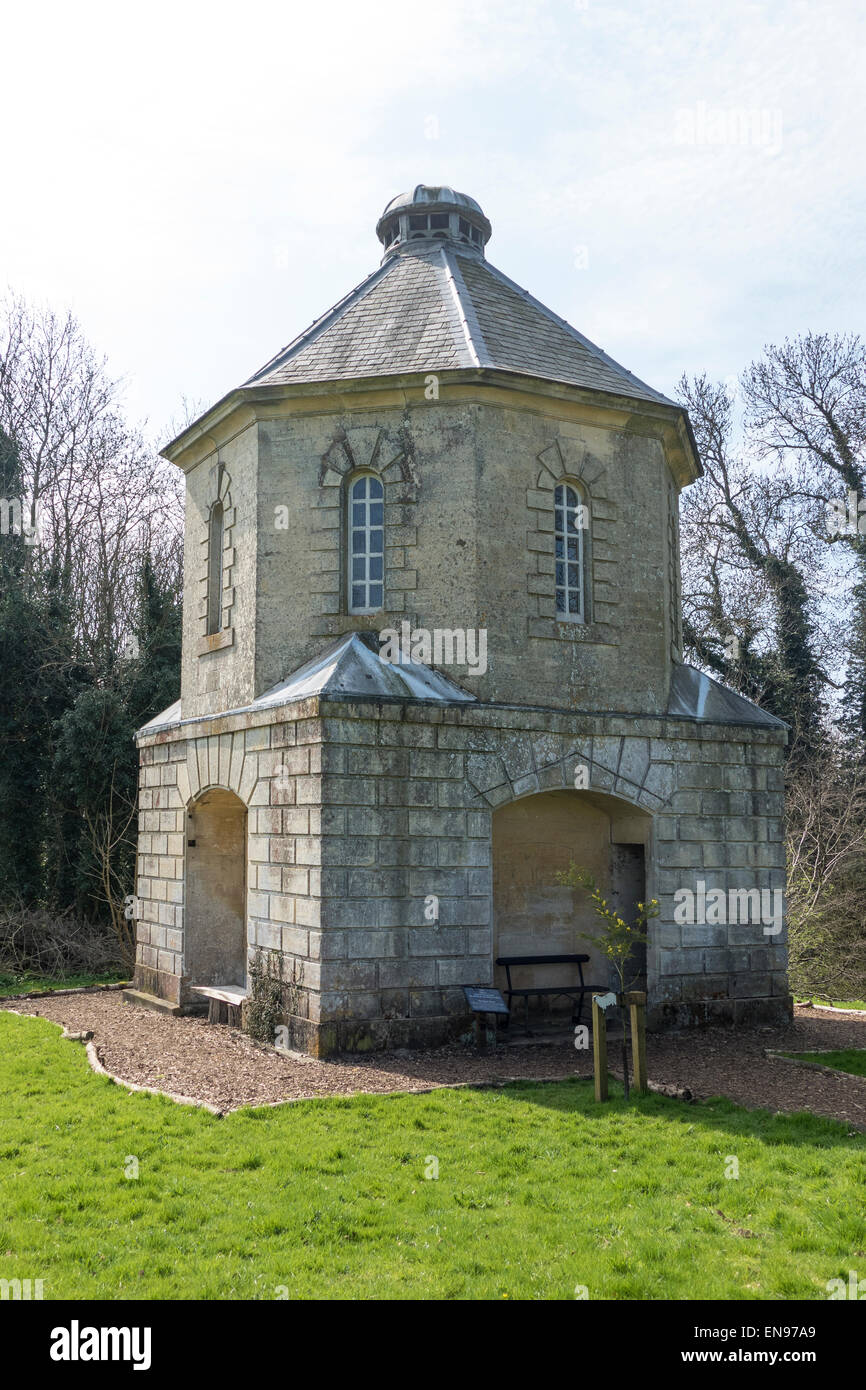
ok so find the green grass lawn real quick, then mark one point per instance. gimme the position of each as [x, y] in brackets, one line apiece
[834, 1003]
[32, 984]
[851, 1059]
[540, 1190]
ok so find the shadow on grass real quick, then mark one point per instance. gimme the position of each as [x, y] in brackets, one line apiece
[715, 1113]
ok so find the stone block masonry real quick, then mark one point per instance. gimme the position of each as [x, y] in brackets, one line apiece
[385, 847]
[370, 853]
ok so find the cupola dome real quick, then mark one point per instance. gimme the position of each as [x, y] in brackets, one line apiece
[432, 214]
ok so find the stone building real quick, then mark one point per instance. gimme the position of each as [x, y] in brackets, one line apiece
[432, 654]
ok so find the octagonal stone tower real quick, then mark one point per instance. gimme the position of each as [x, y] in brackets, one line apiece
[432, 654]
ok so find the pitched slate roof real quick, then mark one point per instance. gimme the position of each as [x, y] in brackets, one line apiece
[435, 306]
[695, 695]
[348, 666]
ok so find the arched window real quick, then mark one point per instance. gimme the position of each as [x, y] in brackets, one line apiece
[366, 548]
[570, 525]
[215, 569]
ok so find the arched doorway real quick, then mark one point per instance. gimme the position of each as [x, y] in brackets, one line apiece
[215, 938]
[538, 835]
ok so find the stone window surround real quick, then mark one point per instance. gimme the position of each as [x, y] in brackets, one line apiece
[216, 641]
[567, 461]
[564, 459]
[388, 455]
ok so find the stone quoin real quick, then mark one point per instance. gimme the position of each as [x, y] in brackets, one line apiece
[440, 453]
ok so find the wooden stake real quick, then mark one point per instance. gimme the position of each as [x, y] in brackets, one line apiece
[637, 1017]
[599, 1050]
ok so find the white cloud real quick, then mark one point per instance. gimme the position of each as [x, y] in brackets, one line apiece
[200, 181]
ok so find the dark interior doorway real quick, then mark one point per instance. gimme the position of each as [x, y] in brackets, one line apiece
[627, 889]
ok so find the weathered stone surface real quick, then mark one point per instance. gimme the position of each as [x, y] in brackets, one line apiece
[371, 824]
[385, 861]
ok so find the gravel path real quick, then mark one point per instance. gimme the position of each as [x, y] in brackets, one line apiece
[191, 1057]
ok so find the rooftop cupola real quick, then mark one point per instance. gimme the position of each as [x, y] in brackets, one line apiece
[432, 214]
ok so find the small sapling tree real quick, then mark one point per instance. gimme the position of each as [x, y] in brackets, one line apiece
[616, 938]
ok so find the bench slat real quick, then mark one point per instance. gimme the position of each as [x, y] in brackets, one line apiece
[559, 989]
[542, 960]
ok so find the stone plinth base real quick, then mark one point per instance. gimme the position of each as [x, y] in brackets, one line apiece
[741, 1013]
[377, 1035]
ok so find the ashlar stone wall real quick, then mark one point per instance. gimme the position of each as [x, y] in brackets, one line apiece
[360, 812]
[469, 480]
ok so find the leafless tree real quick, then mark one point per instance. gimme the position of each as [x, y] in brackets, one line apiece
[102, 496]
[110, 830]
[750, 556]
[806, 401]
[826, 812]
[809, 397]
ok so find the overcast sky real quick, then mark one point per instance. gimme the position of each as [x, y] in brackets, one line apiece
[200, 181]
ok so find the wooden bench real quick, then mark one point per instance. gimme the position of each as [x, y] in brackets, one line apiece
[224, 1002]
[576, 992]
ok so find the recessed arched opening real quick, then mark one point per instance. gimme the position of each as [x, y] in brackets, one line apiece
[535, 837]
[215, 938]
